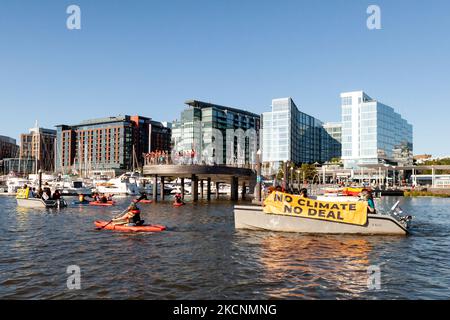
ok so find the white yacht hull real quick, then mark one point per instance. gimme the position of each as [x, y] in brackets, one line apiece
[122, 190]
[253, 218]
[39, 203]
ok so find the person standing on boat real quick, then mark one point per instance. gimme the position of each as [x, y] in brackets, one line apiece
[28, 193]
[32, 193]
[367, 196]
[304, 193]
[56, 195]
[131, 218]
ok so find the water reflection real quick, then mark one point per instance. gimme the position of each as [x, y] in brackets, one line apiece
[310, 262]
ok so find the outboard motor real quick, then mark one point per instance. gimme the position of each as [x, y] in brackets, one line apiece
[397, 212]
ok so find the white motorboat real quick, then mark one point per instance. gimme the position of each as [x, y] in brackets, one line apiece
[126, 184]
[24, 199]
[254, 218]
[40, 203]
[70, 187]
[15, 183]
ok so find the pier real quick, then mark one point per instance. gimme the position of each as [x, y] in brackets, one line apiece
[202, 175]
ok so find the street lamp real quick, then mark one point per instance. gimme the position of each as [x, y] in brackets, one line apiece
[258, 176]
[290, 181]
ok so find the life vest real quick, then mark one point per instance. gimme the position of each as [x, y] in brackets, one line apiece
[136, 216]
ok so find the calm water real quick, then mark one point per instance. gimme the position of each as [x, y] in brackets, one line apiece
[202, 256]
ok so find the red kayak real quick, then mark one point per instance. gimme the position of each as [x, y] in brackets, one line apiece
[125, 228]
[175, 204]
[143, 201]
[102, 204]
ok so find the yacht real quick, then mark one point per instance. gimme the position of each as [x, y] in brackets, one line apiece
[71, 187]
[126, 184]
[15, 183]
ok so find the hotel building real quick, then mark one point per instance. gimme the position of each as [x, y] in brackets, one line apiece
[373, 133]
[217, 134]
[39, 144]
[114, 143]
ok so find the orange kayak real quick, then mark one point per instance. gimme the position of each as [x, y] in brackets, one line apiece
[143, 201]
[102, 204]
[178, 204]
[125, 228]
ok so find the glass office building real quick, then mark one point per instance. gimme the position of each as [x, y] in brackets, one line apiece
[217, 134]
[373, 133]
[291, 135]
[332, 146]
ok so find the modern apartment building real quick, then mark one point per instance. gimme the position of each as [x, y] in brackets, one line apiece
[39, 144]
[291, 135]
[373, 133]
[217, 134]
[113, 143]
[8, 147]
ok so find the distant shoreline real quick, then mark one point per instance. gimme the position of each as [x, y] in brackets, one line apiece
[445, 193]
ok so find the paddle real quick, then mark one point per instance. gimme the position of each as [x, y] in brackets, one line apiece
[137, 201]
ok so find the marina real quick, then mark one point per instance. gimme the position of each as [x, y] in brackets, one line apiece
[224, 151]
[202, 255]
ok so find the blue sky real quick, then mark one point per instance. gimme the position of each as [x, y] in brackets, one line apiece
[148, 57]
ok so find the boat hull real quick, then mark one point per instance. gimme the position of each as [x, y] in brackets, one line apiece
[36, 203]
[145, 228]
[253, 218]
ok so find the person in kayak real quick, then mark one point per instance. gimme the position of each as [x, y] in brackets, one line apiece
[144, 196]
[178, 198]
[81, 198]
[131, 218]
[103, 199]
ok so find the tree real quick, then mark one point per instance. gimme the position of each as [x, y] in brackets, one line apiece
[336, 160]
[308, 171]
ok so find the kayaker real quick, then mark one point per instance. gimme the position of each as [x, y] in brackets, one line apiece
[96, 197]
[144, 196]
[132, 217]
[103, 199]
[81, 198]
[178, 198]
[110, 197]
